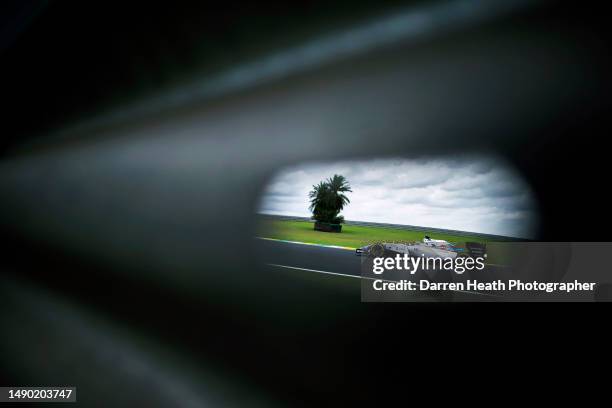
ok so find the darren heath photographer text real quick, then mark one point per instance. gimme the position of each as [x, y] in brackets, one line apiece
[474, 285]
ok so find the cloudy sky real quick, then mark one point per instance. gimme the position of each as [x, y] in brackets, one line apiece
[468, 194]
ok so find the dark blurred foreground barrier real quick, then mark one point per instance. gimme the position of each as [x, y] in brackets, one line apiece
[129, 268]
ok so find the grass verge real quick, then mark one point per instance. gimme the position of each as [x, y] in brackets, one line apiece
[352, 236]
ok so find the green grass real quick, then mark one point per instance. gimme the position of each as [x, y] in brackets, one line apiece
[352, 236]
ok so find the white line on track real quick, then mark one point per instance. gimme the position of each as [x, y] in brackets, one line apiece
[324, 272]
[365, 277]
[338, 247]
[307, 243]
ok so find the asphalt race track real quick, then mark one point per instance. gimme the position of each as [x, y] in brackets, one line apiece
[315, 258]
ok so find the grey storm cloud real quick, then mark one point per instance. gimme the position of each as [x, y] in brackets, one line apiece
[479, 194]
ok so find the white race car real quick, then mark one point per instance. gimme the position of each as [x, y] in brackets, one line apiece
[428, 248]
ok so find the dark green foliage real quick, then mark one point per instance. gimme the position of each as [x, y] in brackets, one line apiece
[327, 199]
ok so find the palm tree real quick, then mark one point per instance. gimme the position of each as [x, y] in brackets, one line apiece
[327, 199]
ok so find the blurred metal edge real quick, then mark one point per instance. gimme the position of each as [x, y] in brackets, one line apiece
[404, 27]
